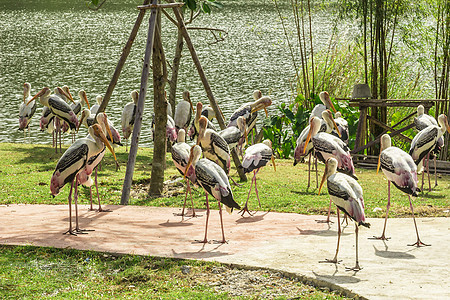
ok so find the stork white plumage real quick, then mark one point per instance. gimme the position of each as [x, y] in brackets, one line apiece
[400, 169]
[78, 105]
[180, 156]
[426, 140]
[256, 156]
[193, 131]
[72, 162]
[127, 118]
[342, 126]
[87, 119]
[212, 178]
[183, 112]
[235, 136]
[347, 195]
[319, 108]
[95, 107]
[208, 112]
[26, 109]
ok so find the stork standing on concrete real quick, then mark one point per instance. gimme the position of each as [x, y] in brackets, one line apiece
[347, 194]
[27, 109]
[215, 182]
[183, 112]
[256, 156]
[426, 140]
[128, 115]
[180, 156]
[400, 169]
[72, 162]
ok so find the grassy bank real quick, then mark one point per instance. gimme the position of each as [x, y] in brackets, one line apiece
[27, 169]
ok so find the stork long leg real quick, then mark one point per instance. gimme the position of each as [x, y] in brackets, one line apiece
[356, 267]
[245, 208]
[383, 237]
[419, 242]
[256, 188]
[317, 174]
[90, 198]
[205, 240]
[334, 260]
[223, 241]
[428, 171]
[56, 130]
[100, 209]
[70, 231]
[309, 169]
[435, 173]
[423, 175]
[188, 190]
[77, 227]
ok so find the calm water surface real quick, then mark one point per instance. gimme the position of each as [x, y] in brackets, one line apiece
[51, 43]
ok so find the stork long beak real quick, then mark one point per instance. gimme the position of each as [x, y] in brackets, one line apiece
[324, 177]
[191, 158]
[86, 100]
[24, 98]
[327, 99]
[188, 99]
[68, 96]
[108, 129]
[336, 127]
[40, 93]
[273, 162]
[379, 163]
[308, 137]
[261, 103]
[83, 116]
[446, 125]
[99, 132]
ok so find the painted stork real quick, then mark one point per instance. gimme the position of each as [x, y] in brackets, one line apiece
[256, 157]
[78, 105]
[171, 132]
[422, 121]
[127, 118]
[327, 125]
[426, 140]
[400, 169]
[84, 177]
[214, 147]
[208, 112]
[193, 131]
[319, 108]
[250, 110]
[95, 107]
[72, 162]
[342, 126]
[26, 109]
[180, 156]
[235, 136]
[87, 118]
[347, 194]
[183, 112]
[212, 178]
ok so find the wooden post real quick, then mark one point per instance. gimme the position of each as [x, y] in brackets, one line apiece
[206, 85]
[140, 109]
[123, 58]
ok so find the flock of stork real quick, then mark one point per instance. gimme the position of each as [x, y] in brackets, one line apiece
[325, 138]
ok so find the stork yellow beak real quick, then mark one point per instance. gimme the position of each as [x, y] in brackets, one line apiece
[83, 116]
[99, 132]
[273, 162]
[324, 177]
[86, 100]
[308, 137]
[40, 93]
[191, 157]
[379, 163]
[336, 127]
[108, 129]
[68, 96]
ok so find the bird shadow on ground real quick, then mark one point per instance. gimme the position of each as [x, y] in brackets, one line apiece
[337, 278]
[181, 223]
[326, 232]
[202, 253]
[306, 192]
[392, 254]
[252, 219]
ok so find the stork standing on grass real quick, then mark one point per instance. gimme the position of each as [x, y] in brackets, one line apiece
[180, 156]
[72, 162]
[183, 112]
[422, 121]
[347, 194]
[426, 140]
[400, 169]
[256, 157]
[128, 115]
[27, 109]
[215, 182]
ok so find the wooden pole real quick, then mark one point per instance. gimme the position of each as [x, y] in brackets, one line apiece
[140, 108]
[212, 101]
[123, 58]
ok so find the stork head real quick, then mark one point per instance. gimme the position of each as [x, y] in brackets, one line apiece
[63, 93]
[187, 97]
[257, 94]
[261, 103]
[314, 126]
[420, 110]
[384, 143]
[198, 113]
[26, 91]
[67, 90]
[44, 92]
[96, 132]
[194, 156]
[338, 114]
[330, 169]
[99, 99]
[86, 113]
[326, 100]
[327, 115]
[83, 97]
[268, 143]
[202, 124]
[102, 119]
[181, 138]
[443, 121]
[135, 96]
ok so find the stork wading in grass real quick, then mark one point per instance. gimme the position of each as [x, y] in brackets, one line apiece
[347, 195]
[256, 157]
[180, 156]
[400, 169]
[212, 178]
[425, 142]
[72, 162]
[27, 109]
[127, 117]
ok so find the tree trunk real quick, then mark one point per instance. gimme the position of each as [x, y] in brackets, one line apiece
[175, 69]
[160, 110]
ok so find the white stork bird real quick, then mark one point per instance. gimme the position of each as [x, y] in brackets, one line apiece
[342, 126]
[128, 114]
[235, 136]
[319, 108]
[422, 121]
[347, 194]
[327, 125]
[26, 109]
[78, 105]
[183, 112]
[193, 131]
[214, 147]
[95, 107]
[87, 118]
[212, 178]
[256, 156]
[58, 107]
[180, 156]
[400, 169]
[72, 162]
[84, 177]
[250, 110]
[426, 140]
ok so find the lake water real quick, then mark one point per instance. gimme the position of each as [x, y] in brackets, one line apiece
[55, 43]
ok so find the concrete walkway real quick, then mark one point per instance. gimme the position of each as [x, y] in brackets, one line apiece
[291, 243]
